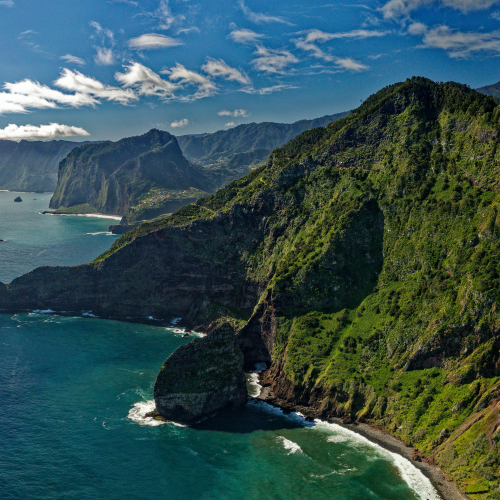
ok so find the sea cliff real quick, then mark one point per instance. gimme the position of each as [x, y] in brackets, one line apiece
[360, 263]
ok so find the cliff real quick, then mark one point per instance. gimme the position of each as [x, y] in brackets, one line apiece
[31, 165]
[111, 177]
[361, 263]
[202, 387]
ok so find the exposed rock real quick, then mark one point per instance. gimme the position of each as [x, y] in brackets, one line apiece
[201, 378]
[18, 199]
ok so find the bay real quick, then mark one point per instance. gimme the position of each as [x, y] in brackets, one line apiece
[32, 239]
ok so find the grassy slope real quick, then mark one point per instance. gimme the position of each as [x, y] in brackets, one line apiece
[411, 179]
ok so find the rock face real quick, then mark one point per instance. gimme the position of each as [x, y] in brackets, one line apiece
[113, 176]
[201, 378]
[32, 165]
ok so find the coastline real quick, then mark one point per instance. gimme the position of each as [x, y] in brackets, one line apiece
[447, 489]
[98, 216]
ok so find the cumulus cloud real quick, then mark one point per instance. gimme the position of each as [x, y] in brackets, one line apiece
[258, 18]
[73, 59]
[145, 81]
[273, 61]
[180, 124]
[85, 86]
[7, 3]
[230, 124]
[267, 90]
[219, 68]
[457, 43]
[235, 114]
[395, 9]
[153, 41]
[244, 36]
[185, 76]
[17, 133]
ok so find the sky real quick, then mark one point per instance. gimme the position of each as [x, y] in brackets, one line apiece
[108, 69]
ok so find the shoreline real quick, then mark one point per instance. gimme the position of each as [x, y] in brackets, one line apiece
[447, 489]
[97, 216]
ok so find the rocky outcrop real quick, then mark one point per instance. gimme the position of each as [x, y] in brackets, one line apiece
[201, 378]
[113, 176]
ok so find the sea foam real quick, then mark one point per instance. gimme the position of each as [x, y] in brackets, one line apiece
[290, 445]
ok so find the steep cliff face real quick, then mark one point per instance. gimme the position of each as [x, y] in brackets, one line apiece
[112, 177]
[210, 379]
[31, 165]
[365, 254]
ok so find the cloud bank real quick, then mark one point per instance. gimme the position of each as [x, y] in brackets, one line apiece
[17, 133]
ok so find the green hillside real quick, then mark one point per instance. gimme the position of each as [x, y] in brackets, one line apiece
[362, 262]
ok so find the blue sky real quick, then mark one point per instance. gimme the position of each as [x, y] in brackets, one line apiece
[107, 69]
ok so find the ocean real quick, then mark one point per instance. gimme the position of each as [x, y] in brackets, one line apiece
[74, 392]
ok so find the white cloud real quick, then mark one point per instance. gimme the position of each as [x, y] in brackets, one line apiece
[495, 15]
[230, 124]
[258, 18]
[395, 9]
[73, 59]
[180, 124]
[104, 56]
[350, 64]
[235, 114]
[16, 133]
[244, 36]
[85, 86]
[7, 3]
[34, 90]
[308, 44]
[146, 81]
[267, 90]
[20, 103]
[184, 76]
[273, 61]
[165, 16]
[457, 43]
[104, 53]
[219, 68]
[130, 2]
[153, 41]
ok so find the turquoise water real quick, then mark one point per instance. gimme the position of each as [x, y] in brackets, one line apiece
[32, 239]
[74, 391]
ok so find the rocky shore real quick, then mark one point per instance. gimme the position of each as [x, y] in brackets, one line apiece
[445, 487]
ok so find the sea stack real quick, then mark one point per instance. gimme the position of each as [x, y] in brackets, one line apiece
[18, 199]
[191, 386]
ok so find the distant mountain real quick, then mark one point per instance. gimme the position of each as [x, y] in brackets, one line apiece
[31, 165]
[493, 90]
[219, 148]
[111, 177]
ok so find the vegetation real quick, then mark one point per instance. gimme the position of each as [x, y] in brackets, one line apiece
[376, 242]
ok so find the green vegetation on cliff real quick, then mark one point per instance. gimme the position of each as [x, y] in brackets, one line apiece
[379, 256]
[368, 251]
